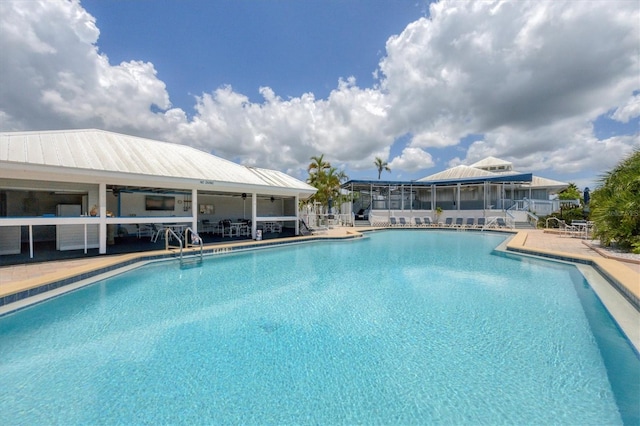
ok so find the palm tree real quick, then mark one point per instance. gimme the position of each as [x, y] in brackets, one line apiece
[570, 193]
[616, 203]
[318, 164]
[326, 179]
[381, 165]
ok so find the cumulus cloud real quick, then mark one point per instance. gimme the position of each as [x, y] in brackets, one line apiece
[53, 75]
[412, 159]
[530, 76]
[628, 111]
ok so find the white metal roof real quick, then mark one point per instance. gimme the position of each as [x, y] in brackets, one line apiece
[491, 162]
[540, 182]
[101, 151]
[458, 172]
[478, 170]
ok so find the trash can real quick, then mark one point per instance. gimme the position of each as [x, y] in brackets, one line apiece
[258, 234]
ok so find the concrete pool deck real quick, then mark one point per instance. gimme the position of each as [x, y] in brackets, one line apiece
[623, 272]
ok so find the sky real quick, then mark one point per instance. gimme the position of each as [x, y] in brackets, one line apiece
[552, 86]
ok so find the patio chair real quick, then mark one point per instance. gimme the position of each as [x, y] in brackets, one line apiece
[448, 222]
[228, 230]
[459, 222]
[427, 221]
[156, 232]
[480, 223]
[143, 230]
[501, 223]
[470, 223]
[393, 221]
[418, 221]
[403, 221]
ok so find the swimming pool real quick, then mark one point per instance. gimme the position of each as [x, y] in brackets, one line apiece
[403, 327]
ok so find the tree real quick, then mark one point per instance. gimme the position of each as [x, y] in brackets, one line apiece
[570, 193]
[615, 205]
[327, 180]
[381, 165]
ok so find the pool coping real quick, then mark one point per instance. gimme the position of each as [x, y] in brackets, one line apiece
[623, 279]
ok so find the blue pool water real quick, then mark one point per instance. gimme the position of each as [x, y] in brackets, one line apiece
[404, 327]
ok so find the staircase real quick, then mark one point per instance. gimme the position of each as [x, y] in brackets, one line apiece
[361, 223]
[523, 225]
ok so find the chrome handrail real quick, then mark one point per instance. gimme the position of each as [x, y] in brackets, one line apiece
[170, 232]
[197, 240]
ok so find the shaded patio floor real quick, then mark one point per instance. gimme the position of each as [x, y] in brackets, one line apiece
[46, 251]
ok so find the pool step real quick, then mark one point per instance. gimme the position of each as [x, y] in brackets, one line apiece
[188, 262]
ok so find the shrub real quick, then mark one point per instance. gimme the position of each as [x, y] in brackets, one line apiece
[615, 205]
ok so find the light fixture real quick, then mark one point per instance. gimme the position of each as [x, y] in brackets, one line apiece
[244, 195]
[272, 199]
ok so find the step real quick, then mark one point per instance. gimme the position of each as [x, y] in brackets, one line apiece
[523, 225]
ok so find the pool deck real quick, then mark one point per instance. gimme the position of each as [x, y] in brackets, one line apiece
[624, 272]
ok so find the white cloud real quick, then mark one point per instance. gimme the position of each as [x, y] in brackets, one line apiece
[628, 111]
[411, 160]
[54, 77]
[519, 72]
[531, 76]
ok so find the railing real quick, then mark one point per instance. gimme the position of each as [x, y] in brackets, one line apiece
[196, 241]
[560, 222]
[168, 234]
[533, 218]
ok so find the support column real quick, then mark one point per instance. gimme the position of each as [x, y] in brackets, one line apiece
[433, 197]
[297, 230]
[194, 210]
[254, 214]
[102, 226]
[458, 186]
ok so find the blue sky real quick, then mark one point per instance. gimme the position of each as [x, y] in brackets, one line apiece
[293, 47]
[552, 86]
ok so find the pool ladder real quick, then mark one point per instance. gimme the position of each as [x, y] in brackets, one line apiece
[195, 239]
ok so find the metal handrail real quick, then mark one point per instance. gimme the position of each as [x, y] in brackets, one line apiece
[197, 240]
[170, 232]
[533, 218]
[560, 222]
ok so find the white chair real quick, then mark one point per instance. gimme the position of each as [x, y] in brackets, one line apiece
[156, 231]
[143, 230]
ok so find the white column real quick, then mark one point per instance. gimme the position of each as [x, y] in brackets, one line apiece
[433, 197]
[102, 227]
[254, 214]
[458, 186]
[297, 230]
[194, 210]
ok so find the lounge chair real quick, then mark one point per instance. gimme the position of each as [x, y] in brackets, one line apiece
[418, 221]
[427, 221]
[470, 223]
[501, 223]
[448, 222]
[393, 221]
[403, 221]
[459, 222]
[481, 222]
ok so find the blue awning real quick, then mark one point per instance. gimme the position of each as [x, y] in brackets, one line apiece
[506, 178]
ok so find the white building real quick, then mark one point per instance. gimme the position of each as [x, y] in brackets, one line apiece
[488, 188]
[52, 182]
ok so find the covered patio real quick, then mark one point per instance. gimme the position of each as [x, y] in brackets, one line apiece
[82, 191]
